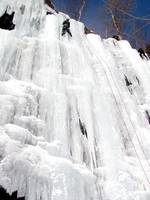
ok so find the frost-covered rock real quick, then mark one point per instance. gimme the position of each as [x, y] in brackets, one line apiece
[70, 127]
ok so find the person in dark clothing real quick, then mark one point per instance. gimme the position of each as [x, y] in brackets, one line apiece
[128, 83]
[6, 21]
[117, 37]
[142, 53]
[66, 27]
[49, 13]
[82, 128]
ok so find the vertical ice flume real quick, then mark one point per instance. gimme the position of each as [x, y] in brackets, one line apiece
[70, 128]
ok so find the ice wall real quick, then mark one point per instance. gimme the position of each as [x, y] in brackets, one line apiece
[53, 87]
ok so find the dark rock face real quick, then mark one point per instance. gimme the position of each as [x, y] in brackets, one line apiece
[50, 4]
[5, 196]
[6, 21]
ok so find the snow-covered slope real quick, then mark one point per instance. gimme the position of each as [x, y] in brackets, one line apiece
[51, 87]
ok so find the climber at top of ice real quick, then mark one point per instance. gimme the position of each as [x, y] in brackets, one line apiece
[66, 27]
[142, 53]
[117, 37]
[6, 21]
[50, 7]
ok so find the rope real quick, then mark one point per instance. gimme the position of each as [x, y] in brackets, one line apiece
[131, 125]
[121, 114]
[141, 146]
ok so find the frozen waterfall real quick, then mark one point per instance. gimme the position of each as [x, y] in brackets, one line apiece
[70, 127]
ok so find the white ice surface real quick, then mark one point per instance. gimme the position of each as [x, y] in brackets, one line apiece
[48, 82]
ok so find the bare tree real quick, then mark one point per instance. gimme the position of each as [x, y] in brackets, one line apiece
[115, 19]
[118, 19]
[75, 8]
[49, 3]
[80, 10]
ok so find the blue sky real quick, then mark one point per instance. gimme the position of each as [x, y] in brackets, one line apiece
[90, 10]
[90, 17]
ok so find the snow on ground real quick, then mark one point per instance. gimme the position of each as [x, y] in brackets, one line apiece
[70, 127]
